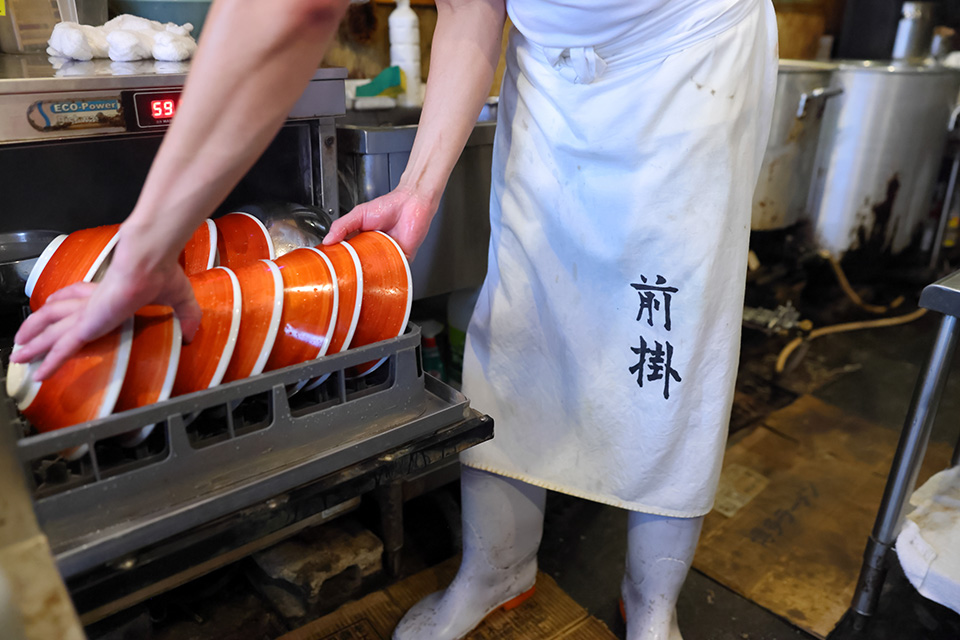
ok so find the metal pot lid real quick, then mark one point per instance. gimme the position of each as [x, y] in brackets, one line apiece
[805, 66]
[894, 66]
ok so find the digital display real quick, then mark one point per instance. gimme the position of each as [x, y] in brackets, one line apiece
[155, 108]
[160, 109]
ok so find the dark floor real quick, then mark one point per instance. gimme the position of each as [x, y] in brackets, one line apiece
[583, 550]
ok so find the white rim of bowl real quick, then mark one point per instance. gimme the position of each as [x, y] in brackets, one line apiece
[406, 267]
[316, 382]
[75, 453]
[234, 331]
[263, 230]
[22, 373]
[42, 262]
[212, 259]
[119, 371]
[134, 438]
[336, 302]
[173, 362]
[101, 257]
[274, 327]
[358, 301]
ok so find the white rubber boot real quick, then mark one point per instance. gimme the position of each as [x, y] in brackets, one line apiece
[502, 527]
[659, 555]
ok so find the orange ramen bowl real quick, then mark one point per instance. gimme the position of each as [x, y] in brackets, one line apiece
[387, 292]
[350, 285]
[69, 259]
[154, 357]
[241, 240]
[85, 388]
[200, 252]
[204, 361]
[261, 288]
[310, 300]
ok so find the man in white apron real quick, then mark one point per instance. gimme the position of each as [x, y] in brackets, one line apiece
[605, 339]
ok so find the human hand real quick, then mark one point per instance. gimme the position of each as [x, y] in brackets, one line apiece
[402, 214]
[82, 312]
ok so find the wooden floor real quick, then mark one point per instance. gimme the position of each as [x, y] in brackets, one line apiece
[549, 615]
[797, 500]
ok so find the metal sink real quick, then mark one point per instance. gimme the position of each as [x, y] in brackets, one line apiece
[372, 151]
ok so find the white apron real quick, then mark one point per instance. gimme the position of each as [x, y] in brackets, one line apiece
[606, 336]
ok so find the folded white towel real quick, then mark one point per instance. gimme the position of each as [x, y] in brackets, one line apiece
[927, 544]
[123, 39]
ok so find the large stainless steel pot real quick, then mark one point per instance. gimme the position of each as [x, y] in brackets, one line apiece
[784, 186]
[881, 147]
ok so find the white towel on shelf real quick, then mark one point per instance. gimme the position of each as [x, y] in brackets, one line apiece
[124, 39]
[927, 545]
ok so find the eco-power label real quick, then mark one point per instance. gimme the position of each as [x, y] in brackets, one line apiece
[80, 113]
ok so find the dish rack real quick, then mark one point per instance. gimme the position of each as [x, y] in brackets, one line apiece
[217, 451]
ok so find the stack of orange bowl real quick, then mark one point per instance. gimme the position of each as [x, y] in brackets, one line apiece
[260, 313]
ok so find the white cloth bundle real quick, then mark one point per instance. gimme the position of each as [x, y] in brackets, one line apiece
[927, 544]
[123, 39]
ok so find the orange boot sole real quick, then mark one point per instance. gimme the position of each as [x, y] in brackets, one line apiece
[513, 603]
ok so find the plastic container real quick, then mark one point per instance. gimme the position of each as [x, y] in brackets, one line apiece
[176, 11]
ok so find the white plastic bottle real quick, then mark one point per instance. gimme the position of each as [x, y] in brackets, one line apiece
[405, 50]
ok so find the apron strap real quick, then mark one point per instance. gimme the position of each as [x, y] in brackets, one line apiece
[579, 65]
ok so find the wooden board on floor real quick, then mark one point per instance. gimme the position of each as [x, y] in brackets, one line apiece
[550, 614]
[797, 499]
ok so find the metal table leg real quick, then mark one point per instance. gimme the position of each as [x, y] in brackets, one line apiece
[391, 522]
[906, 466]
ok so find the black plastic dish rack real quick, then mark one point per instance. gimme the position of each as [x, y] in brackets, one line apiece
[223, 449]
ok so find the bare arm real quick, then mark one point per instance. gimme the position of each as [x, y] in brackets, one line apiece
[253, 63]
[466, 49]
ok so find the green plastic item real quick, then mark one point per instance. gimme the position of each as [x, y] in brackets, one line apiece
[390, 82]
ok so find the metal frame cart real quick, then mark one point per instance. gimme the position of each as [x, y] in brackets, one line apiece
[943, 297]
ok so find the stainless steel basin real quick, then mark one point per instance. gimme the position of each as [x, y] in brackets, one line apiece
[373, 148]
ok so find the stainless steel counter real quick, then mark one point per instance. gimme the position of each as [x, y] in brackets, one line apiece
[46, 99]
[36, 73]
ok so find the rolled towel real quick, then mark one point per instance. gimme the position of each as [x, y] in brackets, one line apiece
[125, 38]
[77, 41]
